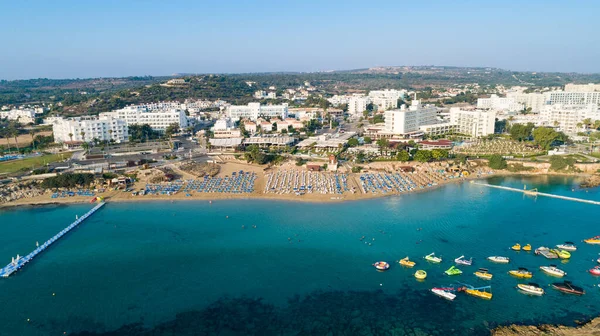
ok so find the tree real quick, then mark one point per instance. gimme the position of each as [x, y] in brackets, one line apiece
[353, 142]
[520, 132]
[82, 136]
[423, 155]
[497, 162]
[383, 144]
[367, 140]
[172, 129]
[15, 133]
[32, 133]
[361, 157]
[71, 136]
[439, 154]
[402, 156]
[365, 113]
[85, 145]
[545, 137]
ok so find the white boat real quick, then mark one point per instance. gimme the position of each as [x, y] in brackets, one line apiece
[432, 258]
[444, 294]
[567, 246]
[499, 259]
[553, 270]
[462, 261]
[531, 289]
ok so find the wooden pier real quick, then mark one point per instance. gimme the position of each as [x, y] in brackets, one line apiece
[534, 192]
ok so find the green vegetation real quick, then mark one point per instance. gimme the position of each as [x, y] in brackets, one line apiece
[353, 142]
[546, 136]
[142, 133]
[402, 156]
[356, 169]
[68, 180]
[497, 162]
[31, 163]
[423, 156]
[520, 132]
[518, 167]
[254, 154]
[560, 163]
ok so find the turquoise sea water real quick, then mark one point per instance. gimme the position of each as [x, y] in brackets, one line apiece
[189, 267]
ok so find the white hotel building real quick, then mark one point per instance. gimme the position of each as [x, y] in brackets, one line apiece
[86, 129]
[159, 119]
[357, 104]
[254, 111]
[566, 117]
[23, 116]
[499, 103]
[476, 123]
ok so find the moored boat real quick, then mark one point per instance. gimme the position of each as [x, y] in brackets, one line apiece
[527, 248]
[553, 270]
[381, 265]
[462, 261]
[568, 288]
[516, 247]
[481, 292]
[593, 240]
[432, 258]
[406, 262]
[567, 246]
[499, 259]
[420, 274]
[444, 293]
[562, 254]
[483, 273]
[453, 271]
[531, 289]
[595, 270]
[542, 250]
[521, 273]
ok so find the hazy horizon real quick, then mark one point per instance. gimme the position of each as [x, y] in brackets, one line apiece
[71, 39]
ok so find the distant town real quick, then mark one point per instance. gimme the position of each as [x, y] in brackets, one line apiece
[306, 126]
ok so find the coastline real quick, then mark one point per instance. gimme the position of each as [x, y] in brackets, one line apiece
[590, 328]
[126, 197]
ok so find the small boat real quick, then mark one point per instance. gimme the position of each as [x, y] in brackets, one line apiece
[553, 270]
[531, 289]
[406, 262]
[431, 257]
[527, 248]
[444, 293]
[567, 246]
[595, 270]
[593, 240]
[477, 292]
[568, 288]
[516, 247]
[521, 273]
[544, 251]
[499, 260]
[453, 271]
[483, 274]
[562, 254]
[462, 261]
[381, 265]
[420, 274]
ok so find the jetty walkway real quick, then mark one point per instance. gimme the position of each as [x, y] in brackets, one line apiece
[534, 192]
[19, 262]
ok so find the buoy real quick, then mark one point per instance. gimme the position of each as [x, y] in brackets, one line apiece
[226, 216]
[53, 294]
[28, 320]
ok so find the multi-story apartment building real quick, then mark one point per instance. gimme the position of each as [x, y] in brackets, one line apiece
[158, 118]
[572, 98]
[499, 103]
[357, 104]
[475, 123]
[536, 101]
[566, 117]
[86, 129]
[253, 111]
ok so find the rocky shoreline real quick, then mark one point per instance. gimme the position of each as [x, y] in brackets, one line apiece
[587, 329]
[591, 182]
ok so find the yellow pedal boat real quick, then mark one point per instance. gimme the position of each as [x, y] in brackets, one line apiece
[483, 274]
[527, 248]
[521, 273]
[406, 262]
[516, 247]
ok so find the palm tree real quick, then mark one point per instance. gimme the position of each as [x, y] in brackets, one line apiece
[82, 136]
[556, 123]
[71, 136]
[32, 133]
[15, 133]
[110, 132]
[597, 124]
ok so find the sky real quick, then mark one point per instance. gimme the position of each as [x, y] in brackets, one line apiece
[108, 38]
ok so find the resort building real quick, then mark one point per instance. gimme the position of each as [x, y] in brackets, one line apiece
[499, 104]
[326, 142]
[572, 98]
[535, 100]
[253, 111]
[475, 123]
[158, 118]
[268, 141]
[225, 128]
[406, 121]
[386, 99]
[566, 117]
[22, 116]
[436, 144]
[591, 87]
[86, 129]
[339, 100]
